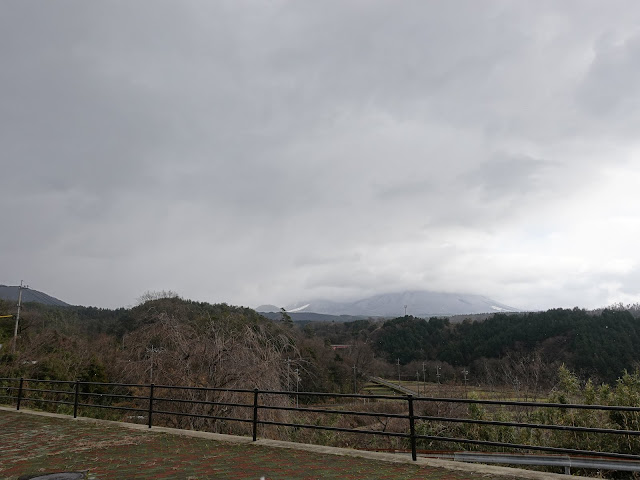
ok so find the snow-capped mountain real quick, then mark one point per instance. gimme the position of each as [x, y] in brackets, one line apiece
[418, 303]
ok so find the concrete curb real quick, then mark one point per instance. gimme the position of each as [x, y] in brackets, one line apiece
[506, 472]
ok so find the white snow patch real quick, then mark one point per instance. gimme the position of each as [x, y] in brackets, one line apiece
[298, 309]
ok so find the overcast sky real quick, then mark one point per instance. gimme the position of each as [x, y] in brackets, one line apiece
[256, 152]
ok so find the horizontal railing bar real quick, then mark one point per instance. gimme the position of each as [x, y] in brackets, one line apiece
[233, 419]
[35, 380]
[528, 447]
[141, 385]
[209, 389]
[336, 395]
[44, 400]
[350, 395]
[341, 412]
[202, 402]
[47, 391]
[529, 404]
[569, 428]
[335, 429]
[111, 407]
[112, 395]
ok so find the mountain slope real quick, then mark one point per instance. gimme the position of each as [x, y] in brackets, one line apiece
[418, 303]
[10, 293]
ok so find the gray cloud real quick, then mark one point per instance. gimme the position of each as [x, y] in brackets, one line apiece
[503, 175]
[610, 87]
[255, 153]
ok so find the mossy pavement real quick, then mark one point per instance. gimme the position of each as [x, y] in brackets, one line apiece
[35, 443]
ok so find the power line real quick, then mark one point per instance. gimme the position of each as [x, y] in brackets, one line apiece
[47, 299]
[39, 295]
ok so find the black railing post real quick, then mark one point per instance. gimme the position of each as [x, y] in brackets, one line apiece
[151, 404]
[255, 414]
[412, 428]
[75, 400]
[19, 393]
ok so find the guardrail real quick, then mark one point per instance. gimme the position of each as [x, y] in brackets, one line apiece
[563, 461]
[392, 386]
[150, 400]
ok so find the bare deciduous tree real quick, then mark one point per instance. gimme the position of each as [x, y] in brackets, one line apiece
[213, 355]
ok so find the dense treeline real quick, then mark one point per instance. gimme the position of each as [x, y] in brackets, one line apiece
[599, 345]
[66, 343]
[596, 345]
[174, 341]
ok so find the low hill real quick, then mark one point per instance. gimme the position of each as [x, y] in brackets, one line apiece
[267, 309]
[10, 294]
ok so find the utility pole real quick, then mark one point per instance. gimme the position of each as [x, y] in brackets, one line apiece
[15, 330]
[297, 387]
[405, 310]
[424, 379]
[398, 370]
[438, 373]
[151, 351]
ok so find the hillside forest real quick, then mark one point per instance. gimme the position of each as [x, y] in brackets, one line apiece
[170, 340]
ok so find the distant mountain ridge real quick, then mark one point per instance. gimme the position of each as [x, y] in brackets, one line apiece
[10, 293]
[304, 317]
[419, 303]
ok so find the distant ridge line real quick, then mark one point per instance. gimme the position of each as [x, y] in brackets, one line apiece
[417, 303]
[10, 293]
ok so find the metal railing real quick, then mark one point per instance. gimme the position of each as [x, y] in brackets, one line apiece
[148, 402]
[563, 461]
